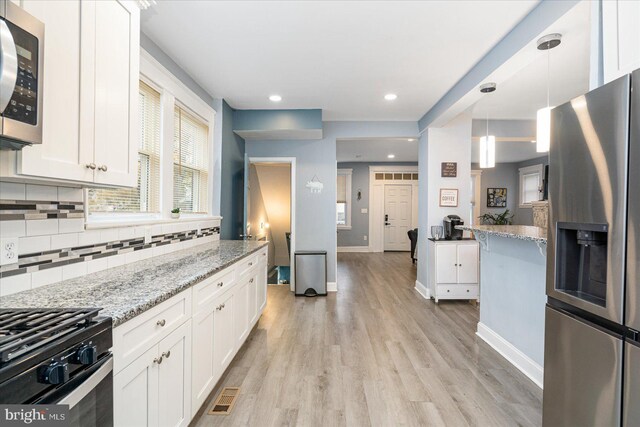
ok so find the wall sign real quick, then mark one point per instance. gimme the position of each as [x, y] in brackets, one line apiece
[449, 170]
[496, 197]
[449, 197]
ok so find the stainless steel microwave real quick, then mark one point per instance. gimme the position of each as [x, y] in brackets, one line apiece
[21, 78]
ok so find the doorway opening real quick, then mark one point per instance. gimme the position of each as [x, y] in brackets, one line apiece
[270, 213]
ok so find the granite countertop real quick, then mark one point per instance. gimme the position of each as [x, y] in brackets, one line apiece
[127, 291]
[521, 232]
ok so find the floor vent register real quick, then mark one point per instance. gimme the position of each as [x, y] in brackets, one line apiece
[225, 401]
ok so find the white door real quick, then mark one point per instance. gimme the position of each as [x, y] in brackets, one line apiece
[135, 392]
[446, 264]
[397, 211]
[64, 152]
[223, 331]
[174, 375]
[203, 366]
[467, 263]
[116, 74]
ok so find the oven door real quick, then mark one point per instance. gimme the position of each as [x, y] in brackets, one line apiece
[89, 396]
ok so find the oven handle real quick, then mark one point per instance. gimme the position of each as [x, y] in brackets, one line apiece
[73, 398]
[8, 65]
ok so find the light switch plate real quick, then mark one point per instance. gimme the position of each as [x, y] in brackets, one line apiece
[364, 210]
[8, 251]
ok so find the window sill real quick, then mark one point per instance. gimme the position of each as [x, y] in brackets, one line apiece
[344, 227]
[95, 224]
[525, 206]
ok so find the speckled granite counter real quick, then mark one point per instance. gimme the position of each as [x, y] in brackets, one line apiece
[125, 292]
[522, 232]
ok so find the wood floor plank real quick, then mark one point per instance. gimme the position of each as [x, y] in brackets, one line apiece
[374, 354]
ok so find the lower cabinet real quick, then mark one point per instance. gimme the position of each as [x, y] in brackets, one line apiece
[166, 383]
[454, 269]
[154, 389]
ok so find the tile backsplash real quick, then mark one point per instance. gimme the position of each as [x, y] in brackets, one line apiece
[53, 244]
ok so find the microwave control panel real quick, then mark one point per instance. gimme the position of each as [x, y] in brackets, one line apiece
[23, 104]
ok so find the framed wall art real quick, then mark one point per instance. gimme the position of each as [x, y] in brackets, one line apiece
[449, 197]
[496, 197]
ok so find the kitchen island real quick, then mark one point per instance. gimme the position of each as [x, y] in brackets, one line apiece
[512, 293]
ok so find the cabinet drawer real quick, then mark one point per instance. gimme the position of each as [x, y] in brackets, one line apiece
[246, 264]
[457, 291]
[133, 338]
[205, 291]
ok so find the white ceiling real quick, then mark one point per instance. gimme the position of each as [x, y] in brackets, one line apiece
[377, 150]
[340, 56]
[526, 91]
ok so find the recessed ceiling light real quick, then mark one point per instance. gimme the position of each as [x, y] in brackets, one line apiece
[391, 156]
[411, 139]
[390, 96]
[275, 98]
[533, 141]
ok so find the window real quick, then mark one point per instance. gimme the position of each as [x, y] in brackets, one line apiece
[145, 198]
[190, 162]
[530, 185]
[343, 205]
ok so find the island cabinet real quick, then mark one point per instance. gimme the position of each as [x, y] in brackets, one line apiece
[453, 269]
[90, 94]
[168, 359]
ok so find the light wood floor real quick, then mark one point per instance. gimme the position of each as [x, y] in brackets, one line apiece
[375, 353]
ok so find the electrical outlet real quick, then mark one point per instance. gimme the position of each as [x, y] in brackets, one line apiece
[8, 251]
[365, 237]
[147, 235]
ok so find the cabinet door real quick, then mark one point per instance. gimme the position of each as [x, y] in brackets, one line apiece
[446, 260]
[620, 38]
[262, 285]
[203, 368]
[241, 311]
[174, 378]
[135, 392]
[252, 306]
[116, 77]
[223, 331]
[468, 263]
[65, 151]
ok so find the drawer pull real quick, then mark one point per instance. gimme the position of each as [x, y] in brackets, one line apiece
[91, 166]
[158, 360]
[250, 264]
[167, 354]
[459, 265]
[467, 290]
[220, 284]
[455, 265]
[223, 305]
[161, 322]
[102, 168]
[448, 290]
[251, 281]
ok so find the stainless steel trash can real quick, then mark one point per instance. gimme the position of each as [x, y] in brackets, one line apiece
[311, 273]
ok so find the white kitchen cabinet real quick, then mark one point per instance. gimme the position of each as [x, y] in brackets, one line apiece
[453, 269]
[204, 372]
[620, 38]
[135, 392]
[90, 93]
[174, 378]
[241, 311]
[253, 310]
[224, 333]
[262, 282]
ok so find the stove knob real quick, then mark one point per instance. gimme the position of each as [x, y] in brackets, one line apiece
[86, 355]
[54, 373]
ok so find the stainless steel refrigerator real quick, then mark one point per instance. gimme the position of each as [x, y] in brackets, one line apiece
[592, 345]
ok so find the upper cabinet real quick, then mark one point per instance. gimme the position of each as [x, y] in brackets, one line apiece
[620, 38]
[90, 99]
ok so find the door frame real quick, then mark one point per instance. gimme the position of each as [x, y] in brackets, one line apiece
[384, 201]
[292, 162]
[376, 203]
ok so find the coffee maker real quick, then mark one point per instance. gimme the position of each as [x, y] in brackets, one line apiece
[450, 230]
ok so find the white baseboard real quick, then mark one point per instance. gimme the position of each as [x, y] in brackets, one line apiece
[423, 290]
[353, 248]
[332, 286]
[517, 358]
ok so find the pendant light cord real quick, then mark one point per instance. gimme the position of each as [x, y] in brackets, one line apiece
[548, 75]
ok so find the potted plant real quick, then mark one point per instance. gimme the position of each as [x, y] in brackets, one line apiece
[175, 213]
[505, 218]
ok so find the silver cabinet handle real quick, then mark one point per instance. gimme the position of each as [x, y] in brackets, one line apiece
[218, 308]
[8, 64]
[167, 354]
[158, 360]
[250, 264]
[220, 284]
[102, 168]
[161, 322]
[91, 166]
[251, 281]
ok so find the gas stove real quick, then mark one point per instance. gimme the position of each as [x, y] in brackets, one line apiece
[51, 356]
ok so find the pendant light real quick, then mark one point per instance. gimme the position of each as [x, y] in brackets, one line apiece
[543, 117]
[487, 142]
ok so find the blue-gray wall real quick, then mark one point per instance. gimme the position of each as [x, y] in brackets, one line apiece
[232, 179]
[277, 119]
[360, 221]
[524, 216]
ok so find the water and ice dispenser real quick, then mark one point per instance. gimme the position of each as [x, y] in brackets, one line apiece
[581, 261]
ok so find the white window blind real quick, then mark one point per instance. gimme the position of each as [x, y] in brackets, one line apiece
[190, 162]
[530, 182]
[343, 202]
[146, 196]
[342, 189]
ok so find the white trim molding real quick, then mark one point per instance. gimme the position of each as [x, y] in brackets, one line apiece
[423, 290]
[332, 286]
[507, 350]
[353, 248]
